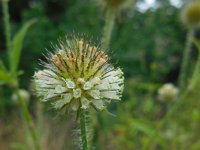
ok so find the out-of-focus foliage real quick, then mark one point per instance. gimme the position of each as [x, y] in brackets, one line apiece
[147, 45]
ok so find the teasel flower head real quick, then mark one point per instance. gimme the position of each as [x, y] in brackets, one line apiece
[191, 14]
[168, 92]
[78, 75]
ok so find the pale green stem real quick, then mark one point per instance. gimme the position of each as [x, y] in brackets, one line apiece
[173, 109]
[28, 120]
[182, 97]
[6, 24]
[195, 76]
[40, 117]
[180, 100]
[107, 33]
[166, 118]
[23, 107]
[183, 78]
[83, 130]
[108, 27]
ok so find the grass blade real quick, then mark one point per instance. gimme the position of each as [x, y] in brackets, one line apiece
[17, 43]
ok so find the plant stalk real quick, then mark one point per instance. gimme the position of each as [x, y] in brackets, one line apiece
[6, 21]
[109, 24]
[180, 100]
[196, 73]
[183, 78]
[28, 120]
[83, 130]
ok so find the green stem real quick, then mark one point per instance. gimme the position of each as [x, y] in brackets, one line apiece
[183, 79]
[28, 120]
[23, 107]
[6, 24]
[183, 95]
[109, 24]
[183, 76]
[40, 118]
[195, 76]
[173, 109]
[83, 130]
[185, 61]
[165, 119]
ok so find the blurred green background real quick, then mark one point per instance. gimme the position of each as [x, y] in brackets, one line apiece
[147, 43]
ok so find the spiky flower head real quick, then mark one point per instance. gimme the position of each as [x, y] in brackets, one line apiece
[191, 14]
[168, 92]
[78, 76]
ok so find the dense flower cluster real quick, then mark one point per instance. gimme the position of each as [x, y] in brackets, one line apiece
[78, 75]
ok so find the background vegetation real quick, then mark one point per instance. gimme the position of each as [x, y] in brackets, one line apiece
[148, 45]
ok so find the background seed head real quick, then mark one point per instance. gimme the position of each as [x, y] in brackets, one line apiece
[191, 14]
[168, 92]
[78, 76]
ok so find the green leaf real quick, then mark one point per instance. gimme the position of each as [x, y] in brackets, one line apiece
[2, 66]
[196, 43]
[4, 76]
[18, 146]
[148, 130]
[17, 43]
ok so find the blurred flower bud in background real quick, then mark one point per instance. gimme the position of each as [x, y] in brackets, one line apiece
[168, 92]
[24, 94]
[190, 14]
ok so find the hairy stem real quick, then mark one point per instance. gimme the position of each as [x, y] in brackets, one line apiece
[83, 130]
[185, 62]
[28, 120]
[109, 24]
[6, 21]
